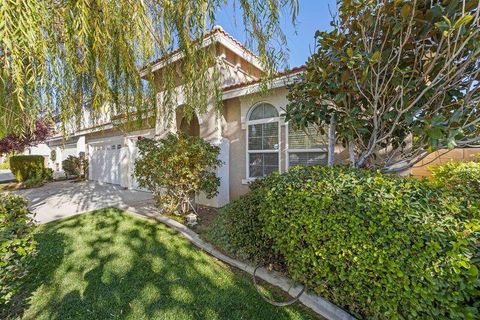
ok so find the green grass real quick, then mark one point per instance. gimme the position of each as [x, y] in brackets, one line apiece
[111, 265]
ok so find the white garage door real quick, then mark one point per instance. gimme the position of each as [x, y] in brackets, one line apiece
[105, 163]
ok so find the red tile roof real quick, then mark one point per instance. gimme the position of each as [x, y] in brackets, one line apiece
[278, 75]
[216, 29]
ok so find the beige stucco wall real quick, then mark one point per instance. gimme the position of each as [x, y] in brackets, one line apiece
[234, 114]
[232, 130]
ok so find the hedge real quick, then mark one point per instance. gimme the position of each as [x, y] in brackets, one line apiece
[17, 245]
[238, 230]
[377, 245]
[460, 178]
[26, 166]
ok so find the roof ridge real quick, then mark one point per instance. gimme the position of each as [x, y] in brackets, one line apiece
[214, 30]
[286, 72]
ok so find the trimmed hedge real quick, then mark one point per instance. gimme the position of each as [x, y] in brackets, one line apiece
[25, 167]
[460, 178]
[17, 245]
[382, 247]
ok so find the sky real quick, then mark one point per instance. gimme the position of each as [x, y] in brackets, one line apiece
[313, 15]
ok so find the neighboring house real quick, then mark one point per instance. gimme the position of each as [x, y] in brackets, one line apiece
[443, 156]
[253, 137]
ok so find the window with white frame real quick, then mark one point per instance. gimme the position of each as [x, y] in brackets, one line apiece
[262, 140]
[306, 147]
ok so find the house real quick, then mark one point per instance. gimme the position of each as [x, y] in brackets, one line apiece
[252, 135]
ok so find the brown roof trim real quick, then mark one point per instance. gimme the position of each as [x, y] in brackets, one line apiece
[278, 75]
[216, 29]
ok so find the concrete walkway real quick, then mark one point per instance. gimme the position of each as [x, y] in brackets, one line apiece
[62, 199]
[6, 175]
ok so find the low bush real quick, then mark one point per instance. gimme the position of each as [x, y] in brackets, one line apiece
[460, 178]
[24, 167]
[17, 245]
[380, 246]
[76, 167]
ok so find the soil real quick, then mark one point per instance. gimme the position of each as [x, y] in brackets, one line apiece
[206, 215]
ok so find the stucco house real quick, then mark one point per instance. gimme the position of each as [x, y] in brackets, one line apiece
[253, 137]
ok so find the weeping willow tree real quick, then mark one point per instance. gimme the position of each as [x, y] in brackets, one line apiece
[63, 57]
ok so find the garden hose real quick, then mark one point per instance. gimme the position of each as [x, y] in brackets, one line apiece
[275, 303]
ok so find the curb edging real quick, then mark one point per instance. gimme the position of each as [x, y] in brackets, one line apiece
[313, 302]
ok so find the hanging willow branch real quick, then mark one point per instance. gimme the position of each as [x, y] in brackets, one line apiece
[69, 57]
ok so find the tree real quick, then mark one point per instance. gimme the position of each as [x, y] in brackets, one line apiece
[175, 168]
[60, 55]
[401, 78]
[18, 142]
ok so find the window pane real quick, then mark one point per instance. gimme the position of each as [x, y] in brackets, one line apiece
[270, 136]
[255, 130]
[263, 136]
[255, 144]
[309, 138]
[261, 164]
[269, 111]
[257, 112]
[263, 111]
[307, 158]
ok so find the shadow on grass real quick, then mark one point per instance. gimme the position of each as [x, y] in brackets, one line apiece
[110, 265]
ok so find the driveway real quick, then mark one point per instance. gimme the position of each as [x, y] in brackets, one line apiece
[6, 175]
[62, 199]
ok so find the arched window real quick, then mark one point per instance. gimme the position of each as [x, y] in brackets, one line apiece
[262, 140]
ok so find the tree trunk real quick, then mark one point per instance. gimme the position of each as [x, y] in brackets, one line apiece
[351, 154]
[331, 141]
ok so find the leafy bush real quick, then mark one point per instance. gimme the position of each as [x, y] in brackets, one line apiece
[40, 177]
[461, 178]
[17, 245]
[53, 155]
[24, 167]
[380, 246]
[238, 230]
[5, 165]
[177, 167]
[75, 166]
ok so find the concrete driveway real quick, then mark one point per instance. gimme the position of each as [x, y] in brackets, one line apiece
[62, 199]
[6, 175]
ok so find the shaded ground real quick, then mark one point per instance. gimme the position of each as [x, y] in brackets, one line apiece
[110, 265]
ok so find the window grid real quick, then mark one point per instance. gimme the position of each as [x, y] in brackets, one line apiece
[263, 140]
[305, 147]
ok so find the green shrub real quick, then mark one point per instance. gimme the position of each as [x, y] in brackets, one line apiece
[75, 166]
[460, 178]
[382, 247]
[238, 230]
[40, 177]
[26, 166]
[17, 245]
[175, 168]
[53, 155]
[5, 165]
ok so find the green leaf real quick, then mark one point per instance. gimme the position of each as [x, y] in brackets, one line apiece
[463, 20]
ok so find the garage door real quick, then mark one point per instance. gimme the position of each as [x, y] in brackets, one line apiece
[105, 163]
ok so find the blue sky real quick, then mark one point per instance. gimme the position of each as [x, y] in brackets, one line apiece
[313, 15]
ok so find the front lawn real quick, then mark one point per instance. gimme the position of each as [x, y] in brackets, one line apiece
[111, 265]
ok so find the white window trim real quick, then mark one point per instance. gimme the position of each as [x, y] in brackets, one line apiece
[248, 151]
[288, 150]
